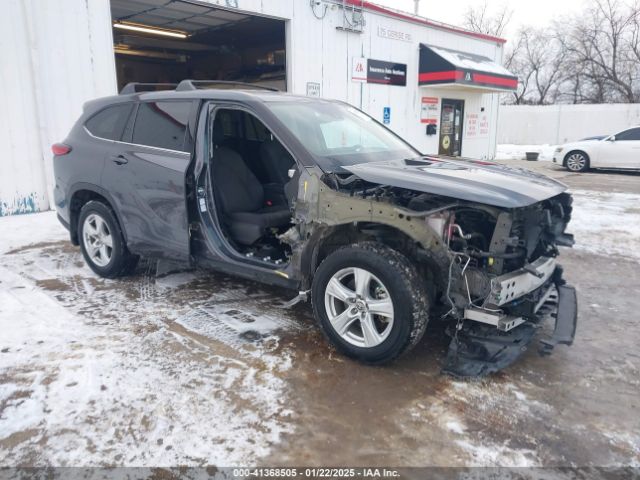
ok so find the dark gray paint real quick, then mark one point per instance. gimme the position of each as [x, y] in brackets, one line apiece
[481, 182]
[149, 192]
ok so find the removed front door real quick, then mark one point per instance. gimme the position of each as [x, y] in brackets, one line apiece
[451, 127]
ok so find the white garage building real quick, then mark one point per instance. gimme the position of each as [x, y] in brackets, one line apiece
[436, 85]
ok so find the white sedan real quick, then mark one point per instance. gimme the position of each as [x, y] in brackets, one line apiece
[621, 150]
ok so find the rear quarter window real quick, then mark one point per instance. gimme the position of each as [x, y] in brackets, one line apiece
[109, 122]
[162, 124]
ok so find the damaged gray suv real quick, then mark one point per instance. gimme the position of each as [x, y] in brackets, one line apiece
[316, 196]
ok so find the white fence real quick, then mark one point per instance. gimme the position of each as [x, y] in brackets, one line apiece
[557, 124]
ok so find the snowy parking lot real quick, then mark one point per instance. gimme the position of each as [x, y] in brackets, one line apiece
[199, 368]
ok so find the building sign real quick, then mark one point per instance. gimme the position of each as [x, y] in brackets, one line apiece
[386, 115]
[477, 125]
[394, 34]
[483, 126]
[359, 69]
[387, 73]
[429, 110]
[313, 89]
[378, 71]
[471, 128]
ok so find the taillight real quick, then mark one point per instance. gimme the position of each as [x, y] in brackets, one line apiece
[60, 149]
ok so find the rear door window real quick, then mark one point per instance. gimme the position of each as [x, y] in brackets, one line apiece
[109, 123]
[162, 124]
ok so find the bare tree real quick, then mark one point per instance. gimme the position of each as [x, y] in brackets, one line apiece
[604, 41]
[513, 61]
[537, 59]
[544, 58]
[590, 58]
[481, 19]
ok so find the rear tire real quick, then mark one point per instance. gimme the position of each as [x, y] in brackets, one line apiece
[102, 242]
[577, 162]
[370, 302]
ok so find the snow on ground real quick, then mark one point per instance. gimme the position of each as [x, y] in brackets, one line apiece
[606, 223]
[98, 372]
[518, 152]
[20, 230]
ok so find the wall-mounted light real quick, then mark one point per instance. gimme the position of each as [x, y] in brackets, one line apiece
[137, 27]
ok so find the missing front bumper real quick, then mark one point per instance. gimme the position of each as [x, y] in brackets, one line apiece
[480, 349]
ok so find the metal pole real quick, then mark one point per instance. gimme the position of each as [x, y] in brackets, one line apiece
[416, 7]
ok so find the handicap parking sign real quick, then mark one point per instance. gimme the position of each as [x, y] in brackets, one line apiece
[386, 115]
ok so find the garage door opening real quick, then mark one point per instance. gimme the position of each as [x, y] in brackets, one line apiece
[166, 41]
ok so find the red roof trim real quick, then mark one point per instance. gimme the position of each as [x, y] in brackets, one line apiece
[494, 80]
[430, 23]
[440, 76]
[455, 76]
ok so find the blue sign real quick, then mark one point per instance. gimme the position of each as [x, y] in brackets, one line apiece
[386, 115]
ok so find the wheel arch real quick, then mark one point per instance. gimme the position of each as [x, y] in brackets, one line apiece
[576, 150]
[79, 195]
[331, 238]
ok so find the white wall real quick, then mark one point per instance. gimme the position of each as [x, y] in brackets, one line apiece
[55, 56]
[557, 124]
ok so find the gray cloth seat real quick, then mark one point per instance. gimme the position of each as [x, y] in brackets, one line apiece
[241, 197]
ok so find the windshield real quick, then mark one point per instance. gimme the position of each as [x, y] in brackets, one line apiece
[340, 135]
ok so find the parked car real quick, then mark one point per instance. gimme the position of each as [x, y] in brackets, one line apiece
[621, 150]
[316, 196]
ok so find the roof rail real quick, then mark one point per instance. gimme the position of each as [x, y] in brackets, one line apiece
[196, 84]
[135, 87]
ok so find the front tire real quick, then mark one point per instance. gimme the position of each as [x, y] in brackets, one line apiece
[102, 242]
[577, 162]
[370, 302]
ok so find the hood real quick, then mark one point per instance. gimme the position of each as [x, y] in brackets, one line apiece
[475, 181]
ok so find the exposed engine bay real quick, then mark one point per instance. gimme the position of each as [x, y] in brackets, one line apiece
[498, 276]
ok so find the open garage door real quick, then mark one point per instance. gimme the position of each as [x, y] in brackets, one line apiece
[166, 41]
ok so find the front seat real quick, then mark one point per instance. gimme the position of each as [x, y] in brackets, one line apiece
[240, 196]
[277, 160]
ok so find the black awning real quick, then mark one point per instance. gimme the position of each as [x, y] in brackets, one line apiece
[442, 66]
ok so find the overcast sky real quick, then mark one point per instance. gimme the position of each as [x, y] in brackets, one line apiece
[526, 12]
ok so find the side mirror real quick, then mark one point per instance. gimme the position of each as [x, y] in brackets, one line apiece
[612, 138]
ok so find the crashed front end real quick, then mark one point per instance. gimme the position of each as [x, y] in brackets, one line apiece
[485, 238]
[504, 282]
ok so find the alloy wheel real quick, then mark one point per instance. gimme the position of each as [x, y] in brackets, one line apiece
[97, 240]
[576, 162]
[359, 307]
